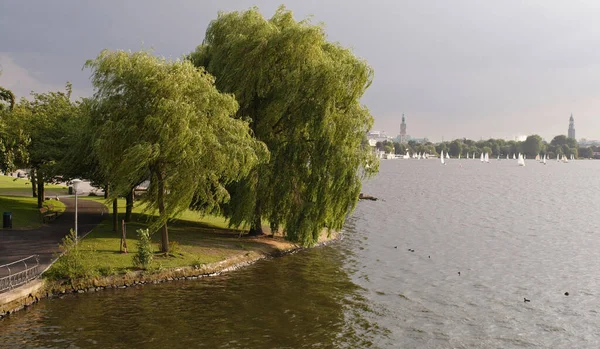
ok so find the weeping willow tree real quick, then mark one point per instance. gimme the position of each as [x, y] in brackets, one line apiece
[301, 94]
[166, 120]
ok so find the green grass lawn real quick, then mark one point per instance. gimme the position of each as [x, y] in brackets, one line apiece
[195, 240]
[25, 213]
[22, 187]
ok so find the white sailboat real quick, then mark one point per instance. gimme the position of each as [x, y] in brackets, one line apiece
[544, 160]
[458, 156]
[521, 160]
[482, 157]
[506, 156]
[447, 155]
[468, 155]
[514, 157]
[473, 155]
[442, 158]
[486, 158]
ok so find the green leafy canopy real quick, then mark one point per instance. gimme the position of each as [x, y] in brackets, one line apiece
[302, 95]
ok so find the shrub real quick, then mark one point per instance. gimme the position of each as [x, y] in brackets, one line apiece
[144, 254]
[70, 264]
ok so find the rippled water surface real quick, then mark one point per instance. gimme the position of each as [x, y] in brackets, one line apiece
[512, 233]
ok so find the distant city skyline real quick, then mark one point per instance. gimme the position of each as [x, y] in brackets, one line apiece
[472, 69]
[570, 132]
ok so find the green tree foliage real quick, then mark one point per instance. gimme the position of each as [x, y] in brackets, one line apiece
[166, 120]
[13, 142]
[399, 148]
[7, 99]
[47, 122]
[455, 148]
[302, 95]
[532, 145]
[559, 140]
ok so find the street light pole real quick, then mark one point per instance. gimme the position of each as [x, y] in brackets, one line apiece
[75, 187]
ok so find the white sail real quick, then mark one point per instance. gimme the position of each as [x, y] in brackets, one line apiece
[442, 158]
[447, 155]
[458, 156]
[482, 158]
[487, 157]
[544, 160]
[467, 155]
[506, 156]
[473, 155]
[514, 157]
[521, 160]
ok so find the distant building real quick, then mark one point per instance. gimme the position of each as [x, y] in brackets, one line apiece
[571, 127]
[403, 138]
[378, 136]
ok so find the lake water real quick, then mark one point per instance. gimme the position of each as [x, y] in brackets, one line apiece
[512, 233]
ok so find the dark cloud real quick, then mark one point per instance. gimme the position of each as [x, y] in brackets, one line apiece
[456, 68]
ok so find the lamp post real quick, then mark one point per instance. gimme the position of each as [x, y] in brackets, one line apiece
[75, 187]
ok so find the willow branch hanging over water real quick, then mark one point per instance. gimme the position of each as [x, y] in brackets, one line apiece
[301, 94]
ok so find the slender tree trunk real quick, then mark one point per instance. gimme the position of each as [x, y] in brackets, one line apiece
[256, 226]
[115, 215]
[129, 206]
[106, 191]
[40, 189]
[33, 183]
[162, 212]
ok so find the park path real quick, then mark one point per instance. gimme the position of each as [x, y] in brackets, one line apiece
[43, 241]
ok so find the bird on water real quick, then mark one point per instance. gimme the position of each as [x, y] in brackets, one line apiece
[526, 300]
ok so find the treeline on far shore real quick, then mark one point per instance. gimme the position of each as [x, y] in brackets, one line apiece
[261, 123]
[532, 146]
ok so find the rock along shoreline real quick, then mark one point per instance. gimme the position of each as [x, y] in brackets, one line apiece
[28, 295]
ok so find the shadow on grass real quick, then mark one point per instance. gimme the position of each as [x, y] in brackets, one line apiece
[193, 242]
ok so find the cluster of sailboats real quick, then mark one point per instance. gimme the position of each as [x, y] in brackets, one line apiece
[520, 158]
[484, 157]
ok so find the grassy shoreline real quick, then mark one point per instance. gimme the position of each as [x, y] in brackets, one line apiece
[200, 246]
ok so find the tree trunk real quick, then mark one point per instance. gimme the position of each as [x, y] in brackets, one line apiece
[129, 206]
[256, 226]
[33, 183]
[162, 211]
[106, 191]
[40, 191]
[115, 216]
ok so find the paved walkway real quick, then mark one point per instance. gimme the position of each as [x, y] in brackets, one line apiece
[43, 241]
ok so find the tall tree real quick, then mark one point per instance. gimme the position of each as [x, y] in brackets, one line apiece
[455, 147]
[47, 121]
[166, 119]
[302, 96]
[532, 145]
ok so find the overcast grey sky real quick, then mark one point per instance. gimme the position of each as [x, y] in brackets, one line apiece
[472, 68]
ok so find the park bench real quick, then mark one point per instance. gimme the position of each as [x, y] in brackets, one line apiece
[48, 213]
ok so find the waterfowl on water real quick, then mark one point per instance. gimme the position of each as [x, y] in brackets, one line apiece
[526, 300]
